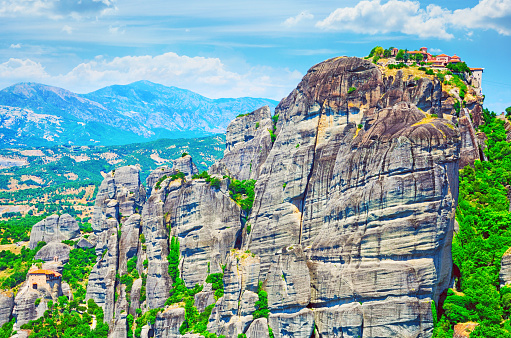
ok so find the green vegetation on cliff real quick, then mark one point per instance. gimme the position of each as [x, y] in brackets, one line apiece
[484, 236]
[195, 321]
[68, 319]
[78, 269]
[16, 266]
[243, 193]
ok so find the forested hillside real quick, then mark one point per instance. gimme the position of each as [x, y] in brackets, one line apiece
[484, 235]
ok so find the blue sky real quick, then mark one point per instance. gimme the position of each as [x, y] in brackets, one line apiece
[239, 48]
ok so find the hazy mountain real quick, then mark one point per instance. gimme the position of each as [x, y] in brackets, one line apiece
[116, 114]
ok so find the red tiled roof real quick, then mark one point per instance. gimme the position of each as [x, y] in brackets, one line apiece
[476, 68]
[45, 272]
[443, 55]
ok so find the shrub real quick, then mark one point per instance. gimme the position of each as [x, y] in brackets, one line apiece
[215, 183]
[460, 67]
[351, 90]
[272, 135]
[173, 259]
[157, 186]
[242, 192]
[275, 119]
[184, 154]
[262, 304]
[398, 66]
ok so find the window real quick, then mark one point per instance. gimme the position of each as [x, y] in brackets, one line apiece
[34, 286]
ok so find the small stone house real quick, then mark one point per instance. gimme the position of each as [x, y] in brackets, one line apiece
[40, 279]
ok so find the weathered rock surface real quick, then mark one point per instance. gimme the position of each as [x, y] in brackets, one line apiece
[155, 175]
[258, 329]
[289, 280]
[6, 306]
[168, 322]
[102, 281]
[120, 327]
[185, 165]
[156, 234]
[233, 312]
[25, 309]
[207, 223]
[248, 143]
[299, 324]
[120, 193]
[54, 229]
[120, 197]
[84, 244]
[52, 251]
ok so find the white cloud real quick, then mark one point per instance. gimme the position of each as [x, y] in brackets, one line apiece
[116, 30]
[15, 46]
[207, 76]
[16, 70]
[295, 20]
[55, 9]
[405, 16]
[487, 14]
[372, 17]
[435, 50]
[68, 29]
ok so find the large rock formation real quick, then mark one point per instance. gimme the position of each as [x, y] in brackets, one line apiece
[116, 220]
[6, 306]
[248, 143]
[54, 251]
[54, 229]
[366, 183]
[350, 231]
[185, 165]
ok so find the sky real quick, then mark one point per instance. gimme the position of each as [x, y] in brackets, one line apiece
[239, 48]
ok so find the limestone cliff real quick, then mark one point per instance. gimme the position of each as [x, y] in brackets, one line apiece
[54, 229]
[351, 226]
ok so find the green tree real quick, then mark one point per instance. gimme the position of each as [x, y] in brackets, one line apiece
[400, 55]
[379, 51]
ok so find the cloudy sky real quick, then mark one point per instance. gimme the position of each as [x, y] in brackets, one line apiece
[239, 48]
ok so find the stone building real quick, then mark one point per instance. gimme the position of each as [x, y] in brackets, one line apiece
[49, 280]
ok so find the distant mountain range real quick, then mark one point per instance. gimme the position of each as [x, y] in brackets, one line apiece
[33, 114]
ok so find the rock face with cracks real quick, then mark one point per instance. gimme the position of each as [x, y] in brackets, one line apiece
[349, 233]
[54, 228]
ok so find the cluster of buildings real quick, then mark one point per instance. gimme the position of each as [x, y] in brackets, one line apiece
[441, 61]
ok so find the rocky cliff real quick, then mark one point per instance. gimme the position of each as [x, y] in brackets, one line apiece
[348, 234]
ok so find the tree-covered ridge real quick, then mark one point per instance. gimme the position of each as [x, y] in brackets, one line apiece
[484, 236]
[69, 319]
[53, 166]
[16, 266]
